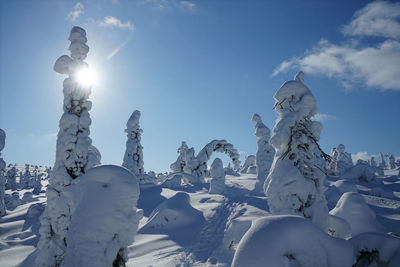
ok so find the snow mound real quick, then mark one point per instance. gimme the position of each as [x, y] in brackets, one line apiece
[173, 214]
[105, 218]
[287, 240]
[353, 208]
[345, 186]
[377, 247]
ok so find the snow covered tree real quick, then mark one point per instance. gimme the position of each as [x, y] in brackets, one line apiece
[179, 164]
[248, 162]
[382, 163]
[372, 162]
[2, 178]
[72, 151]
[341, 161]
[217, 183]
[25, 178]
[265, 152]
[295, 182]
[11, 182]
[37, 185]
[391, 162]
[133, 158]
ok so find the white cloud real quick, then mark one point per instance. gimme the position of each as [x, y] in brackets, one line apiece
[110, 21]
[321, 117]
[352, 63]
[363, 156]
[378, 18]
[76, 12]
[187, 5]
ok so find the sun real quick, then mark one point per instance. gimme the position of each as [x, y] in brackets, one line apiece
[85, 77]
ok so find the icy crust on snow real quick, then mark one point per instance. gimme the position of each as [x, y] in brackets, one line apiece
[361, 218]
[265, 152]
[217, 182]
[104, 217]
[286, 240]
[2, 178]
[72, 152]
[133, 158]
[295, 182]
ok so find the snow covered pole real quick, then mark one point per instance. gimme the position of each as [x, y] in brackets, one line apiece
[73, 143]
[265, 152]
[295, 182]
[2, 178]
[133, 158]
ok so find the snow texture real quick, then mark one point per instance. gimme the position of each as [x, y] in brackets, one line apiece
[104, 217]
[217, 182]
[265, 152]
[382, 245]
[72, 153]
[2, 171]
[353, 208]
[133, 158]
[248, 163]
[287, 240]
[295, 184]
[341, 161]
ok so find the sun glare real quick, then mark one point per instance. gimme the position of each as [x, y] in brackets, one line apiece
[85, 77]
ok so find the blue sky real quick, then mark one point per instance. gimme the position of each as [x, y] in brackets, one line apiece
[198, 70]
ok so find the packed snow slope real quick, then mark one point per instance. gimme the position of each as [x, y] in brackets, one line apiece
[187, 226]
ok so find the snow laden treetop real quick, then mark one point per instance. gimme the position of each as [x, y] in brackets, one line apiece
[295, 183]
[133, 158]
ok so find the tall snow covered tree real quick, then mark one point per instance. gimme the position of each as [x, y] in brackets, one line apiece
[133, 158]
[265, 152]
[2, 170]
[295, 182]
[72, 152]
[179, 164]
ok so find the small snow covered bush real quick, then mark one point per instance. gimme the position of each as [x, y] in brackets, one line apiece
[217, 183]
[287, 240]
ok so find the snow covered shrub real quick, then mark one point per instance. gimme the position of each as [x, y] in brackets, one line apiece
[353, 208]
[374, 249]
[104, 218]
[72, 152]
[25, 178]
[217, 182]
[341, 161]
[180, 162]
[287, 240]
[12, 201]
[133, 158]
[37, 186]
[174, 181]
[248, 162]
[265, 152]
[362, 171]
[295, 182]
[2, 178]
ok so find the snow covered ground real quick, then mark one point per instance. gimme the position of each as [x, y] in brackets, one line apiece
[188, 226]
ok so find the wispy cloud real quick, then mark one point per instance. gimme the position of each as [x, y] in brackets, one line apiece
[376, 19]
[352, 62]
[110, 21]
[165, 4]
[76, 12]
[321, 117]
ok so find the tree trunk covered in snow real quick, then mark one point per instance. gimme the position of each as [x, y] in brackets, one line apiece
[295, 182]
[72, 152]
